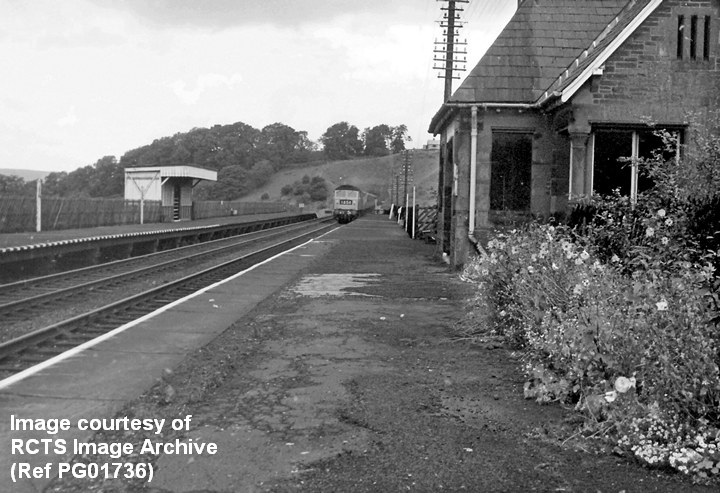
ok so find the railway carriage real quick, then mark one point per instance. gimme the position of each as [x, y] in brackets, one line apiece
[348, 203]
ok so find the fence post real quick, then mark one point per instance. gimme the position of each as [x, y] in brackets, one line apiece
[38, 205]
[414, 214]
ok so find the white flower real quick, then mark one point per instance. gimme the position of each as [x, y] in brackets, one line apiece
[649, 232]
[530, 269]
[584, 255]
[502, 313]
[554, 266]
[623, 384]
[577, 290]
[615, 259]
[611, 396]
[662, 305]
[664, 240]
[578, 261]
[661, 213]
[668, 222]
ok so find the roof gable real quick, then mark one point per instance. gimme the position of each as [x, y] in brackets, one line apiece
[602, 48]
[542, 39]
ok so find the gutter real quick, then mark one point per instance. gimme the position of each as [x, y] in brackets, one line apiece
[447, 107]
[473, 179]
[473, 168]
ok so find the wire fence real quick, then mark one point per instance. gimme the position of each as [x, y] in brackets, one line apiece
[207, 209]
[18, 213]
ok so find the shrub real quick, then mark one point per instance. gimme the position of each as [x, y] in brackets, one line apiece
[583, 325]
[308, 189]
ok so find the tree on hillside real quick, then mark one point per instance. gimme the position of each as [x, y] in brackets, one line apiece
[383, 139]
[281, 145]
[307, 188]
[341, 141]
[399, 137]
[235, 144]
[15, 185]
[376, 140]
[106, 178]
[318, 188]
[258, 152]
[230, 184]
[56, 184]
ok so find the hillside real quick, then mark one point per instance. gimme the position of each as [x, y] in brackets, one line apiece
[372, 175]
[25, 174]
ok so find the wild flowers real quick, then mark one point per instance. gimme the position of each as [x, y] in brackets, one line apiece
[612, 343]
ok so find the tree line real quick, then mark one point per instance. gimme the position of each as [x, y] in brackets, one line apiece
[244, 157]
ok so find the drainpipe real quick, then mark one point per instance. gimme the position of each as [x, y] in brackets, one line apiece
[473, 170]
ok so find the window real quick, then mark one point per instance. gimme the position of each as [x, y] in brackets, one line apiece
[693, 37]
[614, 155]
[680, 36]
[706, 38]
[510, 173]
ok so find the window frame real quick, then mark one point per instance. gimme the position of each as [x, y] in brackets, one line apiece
[528, 133]
[694, 34]
[635, 151]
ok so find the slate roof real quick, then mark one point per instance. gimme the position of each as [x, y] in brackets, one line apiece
[540, 42]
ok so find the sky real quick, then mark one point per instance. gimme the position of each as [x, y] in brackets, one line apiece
[83, 79]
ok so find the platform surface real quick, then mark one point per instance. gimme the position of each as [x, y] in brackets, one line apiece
[98, 381]
[34, 238]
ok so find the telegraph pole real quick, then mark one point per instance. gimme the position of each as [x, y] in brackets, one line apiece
[397, 190]
[450, 48]
[407, 162]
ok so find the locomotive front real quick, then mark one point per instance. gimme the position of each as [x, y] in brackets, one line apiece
[346, 203]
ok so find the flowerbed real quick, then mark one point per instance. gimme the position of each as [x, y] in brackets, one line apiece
[619, 317]
[637, 354]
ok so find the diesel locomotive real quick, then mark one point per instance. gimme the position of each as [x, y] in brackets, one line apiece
[348, 203]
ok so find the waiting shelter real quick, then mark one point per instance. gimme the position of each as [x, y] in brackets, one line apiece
[172, 185]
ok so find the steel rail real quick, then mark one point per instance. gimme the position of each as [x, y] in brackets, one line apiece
[65, 292]
[25, 283]
[149, 298]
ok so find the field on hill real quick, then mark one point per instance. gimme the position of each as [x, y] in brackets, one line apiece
[25, 174]
[374, 175]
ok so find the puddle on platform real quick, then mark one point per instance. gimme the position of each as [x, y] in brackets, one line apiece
[334, 284]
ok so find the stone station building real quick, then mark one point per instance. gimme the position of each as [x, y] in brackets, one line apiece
[568, 88]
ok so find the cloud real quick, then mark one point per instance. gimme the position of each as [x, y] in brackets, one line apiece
[228, 13]
[69, 119]
[203, 83]
[385, 56]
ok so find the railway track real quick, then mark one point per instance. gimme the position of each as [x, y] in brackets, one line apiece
[38, 345]
[17, 299]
